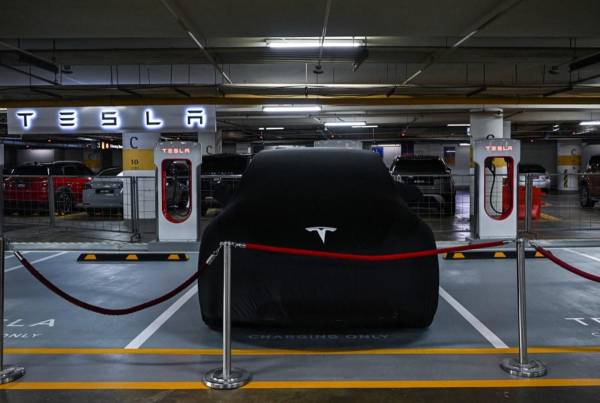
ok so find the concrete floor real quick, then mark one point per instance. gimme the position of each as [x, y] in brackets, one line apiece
[168, 347]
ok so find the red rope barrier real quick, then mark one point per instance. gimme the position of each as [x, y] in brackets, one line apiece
[101, 310]
[549, 255]
[370, 258]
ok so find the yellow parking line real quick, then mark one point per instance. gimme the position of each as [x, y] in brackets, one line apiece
[358, 384]
[273, 352]
[549, 217]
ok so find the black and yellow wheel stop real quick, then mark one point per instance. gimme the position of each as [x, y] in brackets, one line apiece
[132, 257]
[504, 254]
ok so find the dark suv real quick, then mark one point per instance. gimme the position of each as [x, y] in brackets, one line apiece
[589, 187]
[432, 177]
[221, 174]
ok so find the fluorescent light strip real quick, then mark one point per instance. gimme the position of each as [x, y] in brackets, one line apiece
[272, 128]
[284, 44]
[590, 123]
[345, 124]
[365, 126]
[459, 125]
[299, 108]
[464, 144]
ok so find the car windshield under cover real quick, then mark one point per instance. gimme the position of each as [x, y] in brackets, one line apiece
[425, 165]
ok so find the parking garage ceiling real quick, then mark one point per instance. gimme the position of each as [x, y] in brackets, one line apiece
[413, 66]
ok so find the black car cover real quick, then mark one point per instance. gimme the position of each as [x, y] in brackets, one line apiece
[285, 198]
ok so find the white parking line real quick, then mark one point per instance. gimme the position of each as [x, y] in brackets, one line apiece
[582, 254]
[476, 323]
[161, 319]
[35, 261]
[10, 254]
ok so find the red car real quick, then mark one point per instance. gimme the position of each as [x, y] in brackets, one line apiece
[26, 188]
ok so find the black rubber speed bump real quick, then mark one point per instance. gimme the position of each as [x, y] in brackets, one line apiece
[504, 254]
[132, 257]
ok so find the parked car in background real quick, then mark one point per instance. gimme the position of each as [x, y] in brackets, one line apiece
[589, 186]
[104, 193]
[431, 176]
[216, 186]
[26, 189]
[540, 178]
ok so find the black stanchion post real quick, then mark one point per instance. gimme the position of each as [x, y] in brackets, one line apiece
[8, 373]
[528, 201]
[51, 201]
[523, 366]
[226, 377]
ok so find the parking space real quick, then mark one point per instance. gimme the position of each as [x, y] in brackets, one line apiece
[474, 325]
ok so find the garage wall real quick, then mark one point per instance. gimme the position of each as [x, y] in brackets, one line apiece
[35, 155]
[540, 152]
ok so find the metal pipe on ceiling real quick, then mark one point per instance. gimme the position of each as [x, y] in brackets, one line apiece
[194, 35]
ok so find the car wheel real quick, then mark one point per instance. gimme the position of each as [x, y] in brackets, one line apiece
[63, 203]
[584, 197]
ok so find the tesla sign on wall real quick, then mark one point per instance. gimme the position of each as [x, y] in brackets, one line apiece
[112, 119]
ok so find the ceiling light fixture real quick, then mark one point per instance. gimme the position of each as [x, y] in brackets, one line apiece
[590, 123]
[292, 108]
[299, 44]
[464, 144]
[458, 125]
[345, 124]
[272, 128]
[365, 126]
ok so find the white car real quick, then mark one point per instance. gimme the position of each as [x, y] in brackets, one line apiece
[540, 178]
[104, 193]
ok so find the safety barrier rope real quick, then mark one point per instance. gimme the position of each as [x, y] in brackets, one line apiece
[112, 311]
[250, 246]
[368, 258]
[550, 256]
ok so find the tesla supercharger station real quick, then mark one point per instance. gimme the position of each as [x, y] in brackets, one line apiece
[496, 187]
[178, 175]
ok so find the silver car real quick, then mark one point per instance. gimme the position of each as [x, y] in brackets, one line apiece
[539, 177]
[104, 193]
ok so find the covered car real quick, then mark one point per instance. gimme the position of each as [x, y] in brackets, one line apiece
[334, 200]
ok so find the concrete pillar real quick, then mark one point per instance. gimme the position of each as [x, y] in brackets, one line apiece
[507, 129]
[138, 160]
[486, 122]
[93, 159]
[210, 143]
[568, 163]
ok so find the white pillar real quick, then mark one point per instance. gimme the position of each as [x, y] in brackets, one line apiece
[507, 130]
[486, 122]
[208, 143]
[568, 162]
[93, 159]
[138, 160]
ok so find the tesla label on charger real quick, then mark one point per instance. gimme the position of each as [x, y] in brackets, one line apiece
[112, 119]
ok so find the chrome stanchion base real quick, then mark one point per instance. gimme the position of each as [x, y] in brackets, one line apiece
[214, 379]
[11, 374]
[533, 369]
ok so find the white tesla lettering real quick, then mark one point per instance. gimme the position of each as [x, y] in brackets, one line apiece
[151, 121]
[322, 231]
[26, 118]
[67, 119]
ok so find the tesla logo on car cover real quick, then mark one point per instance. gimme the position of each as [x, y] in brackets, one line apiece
[322, 231]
